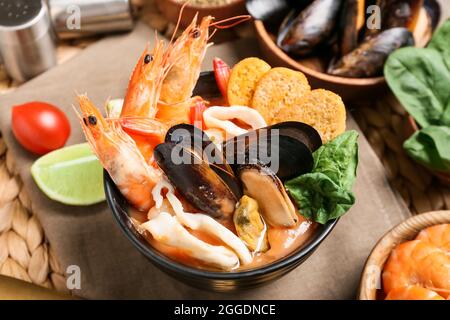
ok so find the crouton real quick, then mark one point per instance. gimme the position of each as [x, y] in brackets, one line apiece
[280, 88]
[321, 109]
[243, 79]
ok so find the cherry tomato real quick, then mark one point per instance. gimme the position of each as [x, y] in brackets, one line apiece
[222, 74]
[40, 127]
[196, 114]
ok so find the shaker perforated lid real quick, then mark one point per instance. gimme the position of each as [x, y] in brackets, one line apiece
[15, 13]
[27, 41]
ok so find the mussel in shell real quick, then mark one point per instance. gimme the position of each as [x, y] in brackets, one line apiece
[300, 131]
[249, 225]
[261, 184]
[190, 136]
[196, 140]
[368, 59]
[264, 156]
[272, 12]
[311, 28]
[351, 23]
[427, 22]
[195, 180]
[285, 147]
[400, 13]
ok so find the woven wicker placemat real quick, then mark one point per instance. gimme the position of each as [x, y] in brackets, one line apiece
[26, 254]
[384, 123]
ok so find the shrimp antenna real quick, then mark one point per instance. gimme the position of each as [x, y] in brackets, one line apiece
[76, 112]
[212, 34]
[237, 20]
[180, 15]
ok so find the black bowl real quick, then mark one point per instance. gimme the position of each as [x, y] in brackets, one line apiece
[203, 279]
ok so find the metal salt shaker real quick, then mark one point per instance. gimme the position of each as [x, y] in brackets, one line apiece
[29, 29]
[27, 39]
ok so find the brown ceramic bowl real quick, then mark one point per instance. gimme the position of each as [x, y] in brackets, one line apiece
[347, 88]
[171, 9]
[405, 231]
[411, 128]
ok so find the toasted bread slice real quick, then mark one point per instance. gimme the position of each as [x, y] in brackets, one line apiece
[321, 109]
[243, 79]
[280, 88]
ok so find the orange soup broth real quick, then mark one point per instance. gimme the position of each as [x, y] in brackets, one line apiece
[283, 242]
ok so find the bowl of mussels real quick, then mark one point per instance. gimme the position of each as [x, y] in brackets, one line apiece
[341, 45]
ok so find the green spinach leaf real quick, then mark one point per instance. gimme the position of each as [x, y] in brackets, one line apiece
[325, 193]
[430, 147]
[420, 80]
[441, 42]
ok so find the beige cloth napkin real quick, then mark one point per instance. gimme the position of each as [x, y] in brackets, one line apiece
[111, 267]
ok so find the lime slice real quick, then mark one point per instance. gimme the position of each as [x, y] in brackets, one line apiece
[71, 175]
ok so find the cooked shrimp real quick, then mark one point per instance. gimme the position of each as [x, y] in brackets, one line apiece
[140, 104]
[119, 155]
[438, 235]
[413, 293]
[188, 53]
[418, 263]
[146, 132]
[144, 87]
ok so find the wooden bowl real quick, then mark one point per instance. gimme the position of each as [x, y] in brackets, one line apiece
[347, 88]
[171, 9]
[405, 231]
[411, 128]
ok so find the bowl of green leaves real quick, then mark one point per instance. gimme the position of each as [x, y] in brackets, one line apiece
[420, 79]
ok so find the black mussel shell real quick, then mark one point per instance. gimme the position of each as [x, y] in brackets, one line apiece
[300, 131]
[314, 26]
[207, 88]
[193, 138]
[189, 136]
[195, 180]
[352, 22]
[368, 59]
[400, 13]
[272, 12]
[286, 149]
[434, 12]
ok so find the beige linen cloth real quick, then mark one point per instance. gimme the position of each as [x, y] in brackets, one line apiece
[110, 266]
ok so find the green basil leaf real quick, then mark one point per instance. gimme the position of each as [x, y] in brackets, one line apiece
[430, 147]
[420, 79]
[325, 193]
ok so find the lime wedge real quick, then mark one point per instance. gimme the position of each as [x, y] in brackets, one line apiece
[71, 175]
